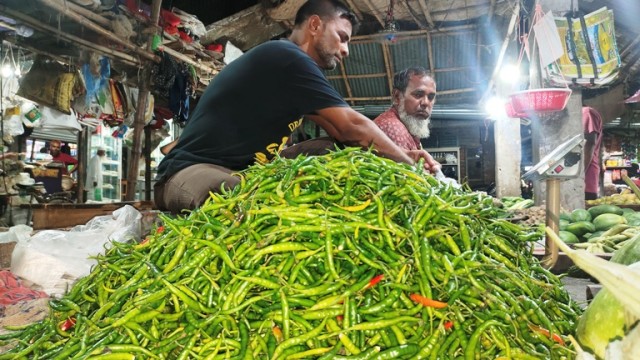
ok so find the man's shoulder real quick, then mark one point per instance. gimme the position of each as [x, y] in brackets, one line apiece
[390, 115]
[278, 46]
[67, 158]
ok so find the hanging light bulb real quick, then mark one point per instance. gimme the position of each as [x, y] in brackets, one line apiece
[6, 71]
[510, 74]
[495, 108]
[390, 28]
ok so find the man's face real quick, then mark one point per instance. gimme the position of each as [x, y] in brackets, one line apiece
[54, 148]
[416, 104]
[331, 43]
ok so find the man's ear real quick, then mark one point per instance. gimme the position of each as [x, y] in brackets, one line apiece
[314, 24]
[395, 97]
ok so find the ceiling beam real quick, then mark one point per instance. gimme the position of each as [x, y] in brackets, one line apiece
[374, 12]
[631, 45]
[101, 20]
[72, 39]
[378, 98]
[420, 24]
[355, 9]
[492, 8]
[20, 42]
[403, 35]
[358, 76]
[80, 19]
[427, 14]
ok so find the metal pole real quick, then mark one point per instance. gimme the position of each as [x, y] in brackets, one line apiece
[552, 221]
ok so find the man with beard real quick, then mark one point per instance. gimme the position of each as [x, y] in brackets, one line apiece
[252, 106]
[408, 118]
[55, 147]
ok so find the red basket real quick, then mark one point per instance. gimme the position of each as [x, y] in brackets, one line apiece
[508, 107]
[540, 100]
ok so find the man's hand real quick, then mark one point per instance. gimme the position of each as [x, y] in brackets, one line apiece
[430, 164]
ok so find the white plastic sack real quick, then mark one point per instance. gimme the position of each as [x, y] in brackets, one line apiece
[54, 259]
[54, 119]
[13, 126]
[16, 233]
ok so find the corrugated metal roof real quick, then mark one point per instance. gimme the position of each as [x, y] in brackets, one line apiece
[373, 61]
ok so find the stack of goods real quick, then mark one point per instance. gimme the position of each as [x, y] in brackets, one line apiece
[600, 229]
[342, 256]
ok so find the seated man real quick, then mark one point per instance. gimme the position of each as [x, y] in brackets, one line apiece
[248, 112]
[408, 118]
[60, 157]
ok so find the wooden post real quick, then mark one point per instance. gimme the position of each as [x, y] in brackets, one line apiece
[138, 123]
[84, 153]
[147, 163]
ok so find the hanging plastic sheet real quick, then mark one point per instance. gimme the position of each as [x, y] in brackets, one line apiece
[591, 56]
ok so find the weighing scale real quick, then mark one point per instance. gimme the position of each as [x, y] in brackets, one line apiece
[563, 163]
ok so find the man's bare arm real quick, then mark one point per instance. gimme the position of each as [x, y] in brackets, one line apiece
[352, 128]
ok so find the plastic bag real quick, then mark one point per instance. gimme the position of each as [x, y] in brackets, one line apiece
[54, 259]
[16, 233]
[54, 119]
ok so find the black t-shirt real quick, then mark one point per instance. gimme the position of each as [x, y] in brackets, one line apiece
[251, 107]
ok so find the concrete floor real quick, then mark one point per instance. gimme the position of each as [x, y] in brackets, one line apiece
[577, 288]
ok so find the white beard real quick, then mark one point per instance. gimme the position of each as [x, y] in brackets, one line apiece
[417, 127]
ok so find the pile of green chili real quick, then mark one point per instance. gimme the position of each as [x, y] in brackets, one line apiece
[342, 256]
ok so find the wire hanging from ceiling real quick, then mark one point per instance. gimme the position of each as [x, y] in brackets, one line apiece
[389, 22]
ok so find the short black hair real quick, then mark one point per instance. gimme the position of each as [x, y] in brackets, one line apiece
[326, 10]
[401, 78]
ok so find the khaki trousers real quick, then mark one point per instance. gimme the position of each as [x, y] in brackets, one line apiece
[190, 187]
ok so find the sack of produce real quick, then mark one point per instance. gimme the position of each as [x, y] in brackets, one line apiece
[609, 328]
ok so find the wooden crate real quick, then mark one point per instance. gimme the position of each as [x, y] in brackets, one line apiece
[57, 216]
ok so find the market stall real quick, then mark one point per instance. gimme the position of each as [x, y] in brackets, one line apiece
[342, 256]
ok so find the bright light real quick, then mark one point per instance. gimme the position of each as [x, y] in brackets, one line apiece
[6, 71]
[510, 74]
[18, 72]
[495, 108]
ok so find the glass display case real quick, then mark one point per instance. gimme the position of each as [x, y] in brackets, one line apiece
[111, 165]
[449, 158]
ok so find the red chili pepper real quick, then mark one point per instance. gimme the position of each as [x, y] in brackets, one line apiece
[374, 280]
[339, 318]
[68, 324]
[277, 333]
[160, 230]
[547, 333]
[427, 302]
[448, 325]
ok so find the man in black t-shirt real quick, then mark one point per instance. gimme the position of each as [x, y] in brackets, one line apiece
[252, 106]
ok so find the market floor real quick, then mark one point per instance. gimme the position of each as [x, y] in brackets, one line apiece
[577, 288]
